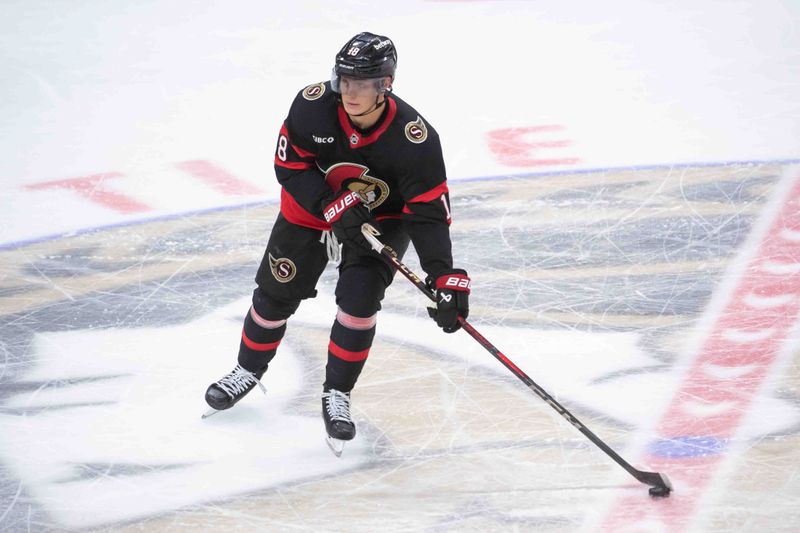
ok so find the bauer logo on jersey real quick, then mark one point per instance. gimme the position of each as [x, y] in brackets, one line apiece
[283, 269]
[373, 191]
[416, 131]
[312, 92]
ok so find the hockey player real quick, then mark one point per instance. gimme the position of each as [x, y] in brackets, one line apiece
[349, 152]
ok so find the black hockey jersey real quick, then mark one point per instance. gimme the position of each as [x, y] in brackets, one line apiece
[396, 165]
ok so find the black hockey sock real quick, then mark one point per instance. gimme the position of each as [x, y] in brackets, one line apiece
[347, 352]
[260, 340]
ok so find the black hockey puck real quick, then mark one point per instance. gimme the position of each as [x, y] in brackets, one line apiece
[659, 492]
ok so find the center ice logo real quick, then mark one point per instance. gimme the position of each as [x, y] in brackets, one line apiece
[115, 334]
[114, 429]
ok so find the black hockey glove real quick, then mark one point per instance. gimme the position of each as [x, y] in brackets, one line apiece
[452, 298]
[346, 213]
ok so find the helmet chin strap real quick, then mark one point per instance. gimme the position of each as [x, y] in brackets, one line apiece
[377, 105]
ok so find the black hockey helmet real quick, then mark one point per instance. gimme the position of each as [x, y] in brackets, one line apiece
[366, 56]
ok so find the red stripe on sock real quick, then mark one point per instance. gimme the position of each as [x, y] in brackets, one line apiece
[261, 347]
[347, 355]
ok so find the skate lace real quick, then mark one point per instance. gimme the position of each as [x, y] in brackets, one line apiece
[337, 405]
[239, 381]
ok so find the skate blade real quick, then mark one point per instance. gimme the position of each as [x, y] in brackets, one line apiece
[336, 445]
[211, 411]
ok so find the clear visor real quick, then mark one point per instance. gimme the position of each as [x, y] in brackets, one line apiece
[358, 86]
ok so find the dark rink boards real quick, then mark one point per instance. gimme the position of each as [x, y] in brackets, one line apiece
[449, 444]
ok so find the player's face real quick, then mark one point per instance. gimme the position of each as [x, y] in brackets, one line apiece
[358, 95]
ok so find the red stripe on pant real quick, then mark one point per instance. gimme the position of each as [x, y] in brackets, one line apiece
[347, 355]
[261, 347]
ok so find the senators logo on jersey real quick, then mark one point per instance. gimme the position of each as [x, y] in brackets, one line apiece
[416, 131]
[312, 92]
[373, 191]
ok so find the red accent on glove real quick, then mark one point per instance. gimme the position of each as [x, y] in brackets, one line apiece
[454, 282]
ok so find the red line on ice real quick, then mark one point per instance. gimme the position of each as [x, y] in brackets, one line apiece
[217, 177]
[91, 187]
[514, 148]
[745, 340]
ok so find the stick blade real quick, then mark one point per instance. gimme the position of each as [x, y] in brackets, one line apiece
[660, 485]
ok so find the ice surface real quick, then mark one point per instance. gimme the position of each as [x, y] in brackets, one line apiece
[657, 301]
[110, 338]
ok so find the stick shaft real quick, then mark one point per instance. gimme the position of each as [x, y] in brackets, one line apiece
[649, 478]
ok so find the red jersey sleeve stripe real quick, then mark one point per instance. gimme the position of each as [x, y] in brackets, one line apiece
[299, 151]
[407, 211]
[299, 165]
[432, 194]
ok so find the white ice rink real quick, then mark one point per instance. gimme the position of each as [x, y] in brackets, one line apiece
[626, 196]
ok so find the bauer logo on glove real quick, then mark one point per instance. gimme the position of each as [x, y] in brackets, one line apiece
[346, 212]
[335, 209]
[458, 283]
[452, 289]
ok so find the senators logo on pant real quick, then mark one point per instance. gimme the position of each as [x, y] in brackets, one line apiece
[282, 268]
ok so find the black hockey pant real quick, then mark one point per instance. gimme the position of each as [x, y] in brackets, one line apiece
[292, 265]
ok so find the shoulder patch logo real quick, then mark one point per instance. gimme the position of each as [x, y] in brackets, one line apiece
[282, 268]
[416, 131]
[312, 92]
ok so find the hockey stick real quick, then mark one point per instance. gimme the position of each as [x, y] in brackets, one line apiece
[659, 483]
